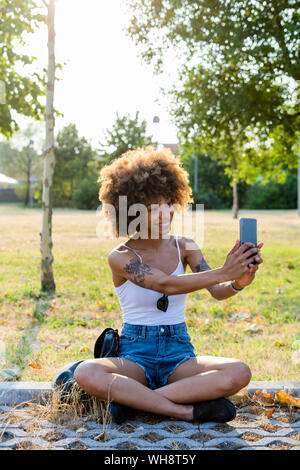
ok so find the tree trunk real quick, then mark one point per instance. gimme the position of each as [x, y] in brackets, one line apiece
[235, 206]
[47, 279]
[27, 188]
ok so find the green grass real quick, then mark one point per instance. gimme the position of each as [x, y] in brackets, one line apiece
[51, 331]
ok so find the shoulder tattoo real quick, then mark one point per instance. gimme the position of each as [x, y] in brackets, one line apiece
[139, 270]
[202, 266]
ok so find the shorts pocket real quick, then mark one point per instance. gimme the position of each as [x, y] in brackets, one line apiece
[128, 338]
[183, 338]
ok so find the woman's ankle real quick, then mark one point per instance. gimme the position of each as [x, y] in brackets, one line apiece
[186, 413]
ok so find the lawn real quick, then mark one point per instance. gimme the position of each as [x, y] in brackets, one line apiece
[39, 334]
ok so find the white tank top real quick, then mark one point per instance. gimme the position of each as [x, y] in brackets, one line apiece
[139, 304]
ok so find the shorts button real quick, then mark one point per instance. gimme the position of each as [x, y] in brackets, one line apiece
[162, 329]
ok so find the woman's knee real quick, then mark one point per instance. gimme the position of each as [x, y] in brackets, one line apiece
[239, 375]
[86, 372]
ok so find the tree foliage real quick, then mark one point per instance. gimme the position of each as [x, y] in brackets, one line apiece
[23, 87]
[240, 63]
[75, 161]
[261, 35]
[231, 117]
[126, 134]
[16, 163]
[273, 195]
[213, 184]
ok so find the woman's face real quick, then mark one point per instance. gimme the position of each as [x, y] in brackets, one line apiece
[160, 216]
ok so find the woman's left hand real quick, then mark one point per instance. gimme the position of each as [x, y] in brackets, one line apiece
[247, 278]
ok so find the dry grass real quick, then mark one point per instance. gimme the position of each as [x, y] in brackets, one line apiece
[72, 414]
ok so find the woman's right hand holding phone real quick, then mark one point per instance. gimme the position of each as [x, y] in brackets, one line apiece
[236, 263]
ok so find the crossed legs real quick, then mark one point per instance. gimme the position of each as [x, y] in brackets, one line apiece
[197, 379]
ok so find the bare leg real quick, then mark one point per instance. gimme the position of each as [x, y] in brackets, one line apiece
[97, 377]
[206, 386]
[219, 377]
[206, 378]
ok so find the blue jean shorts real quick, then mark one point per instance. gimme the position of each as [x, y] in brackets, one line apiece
[157, 349]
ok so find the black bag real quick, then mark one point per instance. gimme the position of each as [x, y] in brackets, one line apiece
[107, 345]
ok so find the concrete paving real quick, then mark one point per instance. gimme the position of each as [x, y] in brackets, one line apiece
[22, 428]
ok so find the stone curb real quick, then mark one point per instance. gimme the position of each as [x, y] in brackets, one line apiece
[293, 388]
[15, 393]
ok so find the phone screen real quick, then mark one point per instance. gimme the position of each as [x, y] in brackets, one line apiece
[248, 231]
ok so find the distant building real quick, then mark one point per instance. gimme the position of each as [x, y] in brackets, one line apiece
[173, 147]
[7, 189]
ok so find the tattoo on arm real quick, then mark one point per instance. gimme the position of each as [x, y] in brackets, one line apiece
[139, 271]
[202, 266]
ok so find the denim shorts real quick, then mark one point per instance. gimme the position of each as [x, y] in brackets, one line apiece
[157, 349]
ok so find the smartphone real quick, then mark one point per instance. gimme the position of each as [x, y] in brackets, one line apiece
[248, 232]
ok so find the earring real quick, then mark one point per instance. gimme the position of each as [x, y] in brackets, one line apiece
[162, 303]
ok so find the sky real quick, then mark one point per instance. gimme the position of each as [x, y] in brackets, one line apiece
[103, 73]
